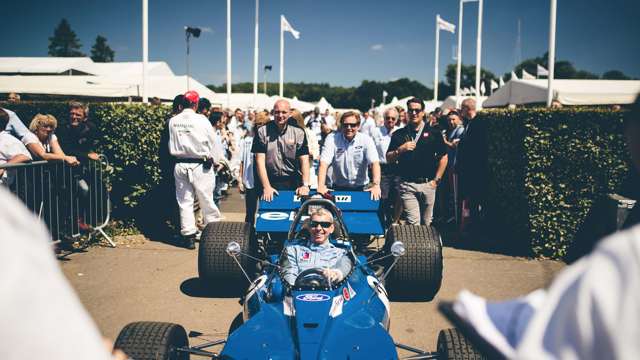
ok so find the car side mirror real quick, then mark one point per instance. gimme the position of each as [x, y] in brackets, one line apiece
[398, 249]
[233, 249]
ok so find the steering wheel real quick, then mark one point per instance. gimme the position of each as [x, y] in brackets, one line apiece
[312, 278]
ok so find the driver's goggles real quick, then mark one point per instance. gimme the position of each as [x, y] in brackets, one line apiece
[323, 224]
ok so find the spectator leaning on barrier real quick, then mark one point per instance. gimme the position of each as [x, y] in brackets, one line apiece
[282, 154]
[78, 137]
[15, 126]
[191, 143]
[43, 143]
[247, 178]
[350, 153]
[422, 159]
[12, 151]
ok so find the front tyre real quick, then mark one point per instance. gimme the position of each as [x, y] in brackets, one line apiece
[147, 340]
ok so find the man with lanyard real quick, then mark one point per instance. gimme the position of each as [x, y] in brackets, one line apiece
[191, 143]
[282, 154]
[422, 159]
[382, 138]
[350, 153]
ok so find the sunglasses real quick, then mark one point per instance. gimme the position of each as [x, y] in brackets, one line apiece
[323, 224]
[390, 118]
[350, 125]
[414, 111]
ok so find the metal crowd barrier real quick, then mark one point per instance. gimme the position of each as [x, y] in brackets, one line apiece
[71, 200]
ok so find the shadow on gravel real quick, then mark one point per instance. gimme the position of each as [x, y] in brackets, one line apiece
[195, 288]
[236, 323]
[480, 238]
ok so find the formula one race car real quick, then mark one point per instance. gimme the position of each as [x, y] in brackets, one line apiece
[312, 318]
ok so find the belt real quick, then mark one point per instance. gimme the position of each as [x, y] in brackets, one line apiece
[191, 161]
[416, 180]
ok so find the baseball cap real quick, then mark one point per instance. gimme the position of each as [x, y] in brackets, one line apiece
[192, 97]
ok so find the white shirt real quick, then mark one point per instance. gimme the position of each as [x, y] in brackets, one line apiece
[350, 160]
[31, 138]
[191, 136]
[10, 147]
[246, 156]
[39, 307]
[315, 124]
[368, 126]
[382, 138]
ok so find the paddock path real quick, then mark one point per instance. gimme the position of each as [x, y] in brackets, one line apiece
[156, 281]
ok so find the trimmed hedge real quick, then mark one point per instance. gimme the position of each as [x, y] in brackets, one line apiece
[548, 167]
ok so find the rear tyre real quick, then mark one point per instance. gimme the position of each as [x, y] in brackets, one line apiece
[419, 272]
[148, 340]
[452, 345]
[214, 264]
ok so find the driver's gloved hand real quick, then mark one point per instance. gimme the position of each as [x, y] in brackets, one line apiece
[334, 275]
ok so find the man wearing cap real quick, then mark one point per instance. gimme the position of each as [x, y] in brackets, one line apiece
[350, 153]
[191, 143]
[282, 154]
[422, 159]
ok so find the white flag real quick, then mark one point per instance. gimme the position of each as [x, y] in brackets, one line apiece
[541, 71]
[472, 91]
[384, 93]
[483, 89]
[514, 76]
[527, 76]
[285, 26]
[494, 84]
[501, 81]
[446, 26]
[464, 92]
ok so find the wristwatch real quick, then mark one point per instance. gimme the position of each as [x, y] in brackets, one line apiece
[437, 180]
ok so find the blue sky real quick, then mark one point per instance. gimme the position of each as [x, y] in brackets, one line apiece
[342, 42]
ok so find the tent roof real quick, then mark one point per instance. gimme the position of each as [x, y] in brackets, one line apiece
[163, 87]
[60, 65]
[567, 92]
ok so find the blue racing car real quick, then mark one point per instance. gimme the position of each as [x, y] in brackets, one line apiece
[312, 318]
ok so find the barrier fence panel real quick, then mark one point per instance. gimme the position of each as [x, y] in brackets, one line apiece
[70, 200]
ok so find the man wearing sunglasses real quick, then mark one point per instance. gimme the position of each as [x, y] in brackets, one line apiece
[382, 139]
[350, 153]
[316, 252]
[282, 154]
[421, 155]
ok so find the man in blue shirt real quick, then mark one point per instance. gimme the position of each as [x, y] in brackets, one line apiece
[350, 153]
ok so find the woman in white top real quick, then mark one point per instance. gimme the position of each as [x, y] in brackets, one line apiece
[43, 143]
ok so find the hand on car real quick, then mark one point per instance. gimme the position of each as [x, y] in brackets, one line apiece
[375, 192]
[302, 190]
[334, 275]
[268, 193]
[322, 189]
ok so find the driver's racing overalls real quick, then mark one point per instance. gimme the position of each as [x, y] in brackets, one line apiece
[305, 255]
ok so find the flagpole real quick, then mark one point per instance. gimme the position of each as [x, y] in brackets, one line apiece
[145, 48]
[281, 59]
[228, 53]
[435, 69]
[478, 54]
[459, 55]
[552, 51]
[255, 56]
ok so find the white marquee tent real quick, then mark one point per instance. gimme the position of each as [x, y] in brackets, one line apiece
[567, 92]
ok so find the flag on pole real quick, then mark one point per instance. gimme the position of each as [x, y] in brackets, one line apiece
[527, 76]
[285, 26]
[494, 84]
[473, 91]
[514, 76]
[464, 91]
[446, 26]
[541, 71]
[483, 89]
[384, 93]
[501, 81]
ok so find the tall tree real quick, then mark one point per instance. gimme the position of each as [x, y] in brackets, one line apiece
[467, 78]
[64, 42]
[101, 52]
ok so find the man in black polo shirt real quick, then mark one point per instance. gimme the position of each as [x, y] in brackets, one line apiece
[282, 154]
[422, 159]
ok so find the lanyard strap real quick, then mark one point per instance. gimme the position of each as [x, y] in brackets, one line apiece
[415, 139]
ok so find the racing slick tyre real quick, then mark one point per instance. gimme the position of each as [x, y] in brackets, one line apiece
[214, 264]
[417, 274]
[452, 345]
[147, 340]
